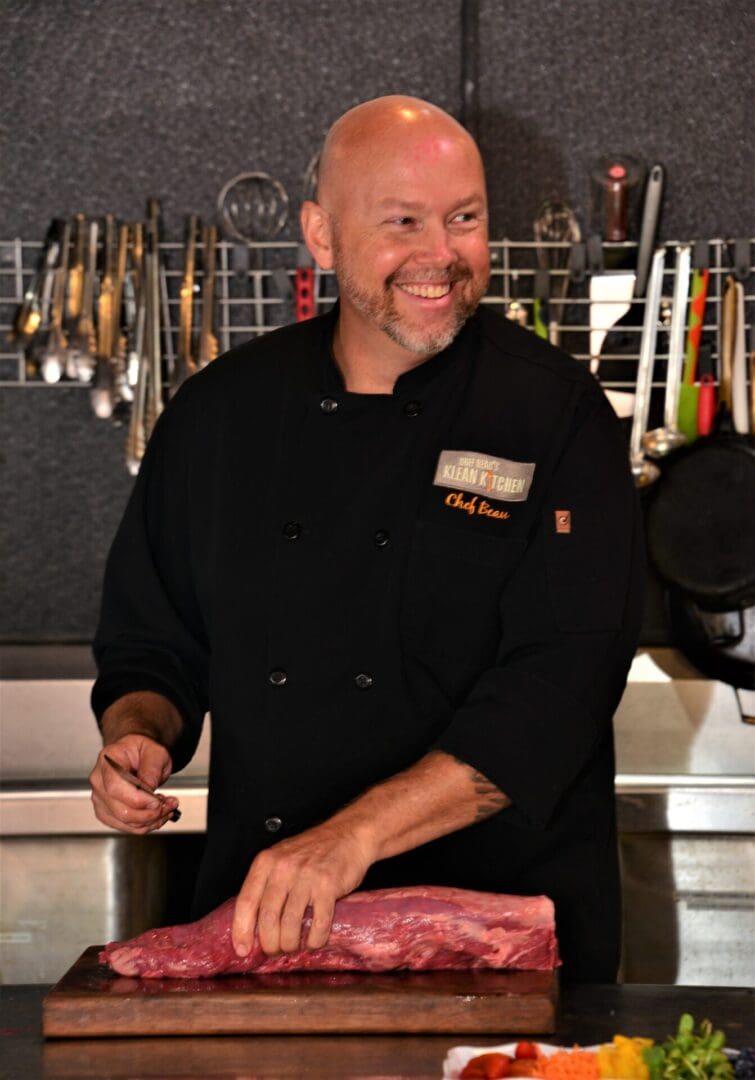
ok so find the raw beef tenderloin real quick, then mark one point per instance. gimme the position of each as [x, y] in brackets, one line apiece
[422, 928]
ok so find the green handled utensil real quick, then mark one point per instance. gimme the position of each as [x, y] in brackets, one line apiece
[689, 391]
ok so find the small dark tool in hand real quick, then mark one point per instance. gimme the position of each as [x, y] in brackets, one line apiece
[137, 783]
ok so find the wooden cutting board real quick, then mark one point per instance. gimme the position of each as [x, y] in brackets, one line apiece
[90, 1000]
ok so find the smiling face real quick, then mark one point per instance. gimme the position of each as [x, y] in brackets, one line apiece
[403, 217]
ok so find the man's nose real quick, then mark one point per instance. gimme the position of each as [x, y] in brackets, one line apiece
[436, 245]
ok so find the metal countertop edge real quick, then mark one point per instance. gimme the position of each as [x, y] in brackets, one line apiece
[645, 803]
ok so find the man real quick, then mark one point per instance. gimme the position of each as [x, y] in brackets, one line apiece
[395, 551]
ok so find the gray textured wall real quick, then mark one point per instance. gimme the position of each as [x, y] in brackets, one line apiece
[103, 103]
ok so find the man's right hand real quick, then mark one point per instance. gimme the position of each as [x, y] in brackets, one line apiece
[118, 803]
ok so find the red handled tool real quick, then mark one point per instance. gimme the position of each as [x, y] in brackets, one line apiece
[304, 287]
[706, 401]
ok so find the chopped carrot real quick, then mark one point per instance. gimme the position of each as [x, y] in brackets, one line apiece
[573, 1064]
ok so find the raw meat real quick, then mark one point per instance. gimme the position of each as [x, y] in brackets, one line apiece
[421, 928]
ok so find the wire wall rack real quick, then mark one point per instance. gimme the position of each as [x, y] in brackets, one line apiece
[254, 294]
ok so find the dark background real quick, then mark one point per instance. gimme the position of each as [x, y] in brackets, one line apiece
[104, 103]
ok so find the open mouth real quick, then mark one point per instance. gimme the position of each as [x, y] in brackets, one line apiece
[435, 291]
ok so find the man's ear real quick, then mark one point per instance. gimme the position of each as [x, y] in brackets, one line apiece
[317, 232]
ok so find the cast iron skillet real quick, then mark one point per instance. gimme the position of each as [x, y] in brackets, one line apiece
[701, 537]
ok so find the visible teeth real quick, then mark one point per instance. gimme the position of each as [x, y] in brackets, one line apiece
[429, 292]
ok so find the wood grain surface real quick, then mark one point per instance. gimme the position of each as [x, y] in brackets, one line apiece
[90, 1000]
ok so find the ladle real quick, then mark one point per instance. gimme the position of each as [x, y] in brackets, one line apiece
[643, 471]
[663, 440]
[52, 361]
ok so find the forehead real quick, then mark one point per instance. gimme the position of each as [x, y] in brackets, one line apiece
[437, 168]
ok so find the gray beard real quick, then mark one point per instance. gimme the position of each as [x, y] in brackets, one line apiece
[388, 320]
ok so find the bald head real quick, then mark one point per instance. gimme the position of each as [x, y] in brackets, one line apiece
[401, 217]
[361, 139]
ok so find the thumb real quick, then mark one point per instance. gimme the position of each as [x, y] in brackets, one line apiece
[154, 764]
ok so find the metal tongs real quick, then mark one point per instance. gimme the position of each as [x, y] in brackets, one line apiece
[134, 780]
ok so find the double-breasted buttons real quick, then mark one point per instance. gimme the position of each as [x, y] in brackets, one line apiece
[413, 408]
[292, 530]
[272, 824]
[328, 405]
[277, 677]
[363, 680]
[381, 538]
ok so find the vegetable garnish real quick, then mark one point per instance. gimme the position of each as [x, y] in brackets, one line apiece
[687, 1056]
[573, 1064]
[622, 1059]
[526, 1050]
[488, 1066]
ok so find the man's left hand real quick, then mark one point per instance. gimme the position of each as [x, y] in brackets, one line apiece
[313, 869]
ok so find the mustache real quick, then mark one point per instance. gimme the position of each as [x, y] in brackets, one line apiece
[447, 276]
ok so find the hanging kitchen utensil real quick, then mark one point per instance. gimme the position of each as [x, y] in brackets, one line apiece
[690, 391]
[134, 303]
[185, 364]
[739, 365]
[304, 289]
[614, 186]
[651, 210]
[612, 292]
[102, 391]
[123, 393]
[706, 401]
[52, 360]
[515, 309]
[555, 229]
[82, 342]
[663, 440]
[610, 299]
[701, 522]
[138, 359]
[29, 315]
[76, 274]
[153, 307]
[644, 471]
[253, 208]
[208, 342]
[541, 317]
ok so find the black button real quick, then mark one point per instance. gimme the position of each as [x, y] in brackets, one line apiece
[328, 405]
[272, 824]
[277, 678]
[381, 538]
[363, 680]
[292, 530]
[413, 408]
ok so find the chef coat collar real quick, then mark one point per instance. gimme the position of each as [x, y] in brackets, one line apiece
[418, 379]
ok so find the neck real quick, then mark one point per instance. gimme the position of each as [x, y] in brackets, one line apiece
[369, 362]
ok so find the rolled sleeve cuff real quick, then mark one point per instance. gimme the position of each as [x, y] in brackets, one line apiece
[526, 736]
[109, 687]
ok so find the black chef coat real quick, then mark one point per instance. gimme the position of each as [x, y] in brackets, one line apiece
[288, 561]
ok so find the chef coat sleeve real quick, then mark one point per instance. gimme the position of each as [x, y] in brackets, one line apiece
[150, 634]
[570, 618]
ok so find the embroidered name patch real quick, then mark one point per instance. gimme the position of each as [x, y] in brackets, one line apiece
[495, 477]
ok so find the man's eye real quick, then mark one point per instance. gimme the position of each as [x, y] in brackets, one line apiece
[466, 217]
[403, 221]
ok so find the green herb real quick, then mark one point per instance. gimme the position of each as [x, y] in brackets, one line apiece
[688, 1056]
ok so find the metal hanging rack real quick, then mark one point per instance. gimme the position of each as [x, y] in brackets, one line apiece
[241, 298]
